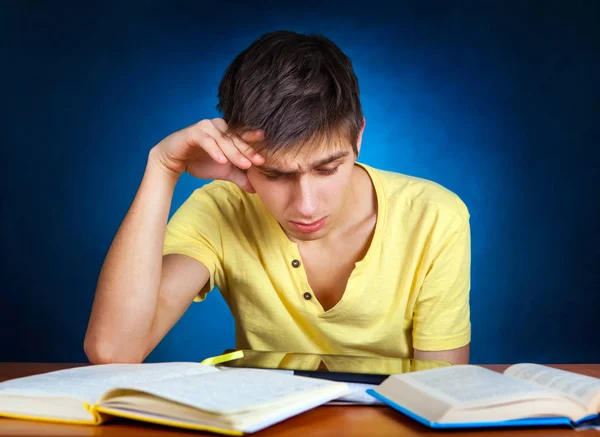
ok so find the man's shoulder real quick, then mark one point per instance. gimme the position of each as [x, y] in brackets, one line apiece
[225, 200]
[403, 189]
[218, 189]
[221, 193]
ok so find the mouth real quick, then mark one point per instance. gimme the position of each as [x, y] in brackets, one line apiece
[309, 227]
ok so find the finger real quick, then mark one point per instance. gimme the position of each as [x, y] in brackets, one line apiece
[242, 145]
[247, 150]
[254, 136]
[227, 146]
[200, 138]
[251, 138]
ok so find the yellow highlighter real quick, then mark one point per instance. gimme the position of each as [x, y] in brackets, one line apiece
[213, 361]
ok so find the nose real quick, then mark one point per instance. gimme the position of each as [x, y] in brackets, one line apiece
[306, 199]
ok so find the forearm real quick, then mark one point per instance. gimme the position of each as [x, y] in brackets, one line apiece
[129, 282]
[454, 356]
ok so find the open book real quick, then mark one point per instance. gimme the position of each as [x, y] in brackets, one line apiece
[186, 395]
[471, 396]
[359, 372]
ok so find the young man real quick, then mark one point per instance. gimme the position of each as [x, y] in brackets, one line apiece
[312, 251]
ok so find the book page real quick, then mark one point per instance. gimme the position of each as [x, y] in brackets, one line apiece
[88, 383]
[359, 395]
[468, 384]
[232, 391]
[580, 388]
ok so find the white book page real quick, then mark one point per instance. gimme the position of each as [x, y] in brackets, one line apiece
[580, 388]
[234, 391]
[359, 395]
[467, 384]
[88, 383]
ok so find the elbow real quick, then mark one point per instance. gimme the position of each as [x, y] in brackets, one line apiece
[105, 352]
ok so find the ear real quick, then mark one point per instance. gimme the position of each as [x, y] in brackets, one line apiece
[360, 133]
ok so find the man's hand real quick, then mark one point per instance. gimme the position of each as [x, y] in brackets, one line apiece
[205, 152]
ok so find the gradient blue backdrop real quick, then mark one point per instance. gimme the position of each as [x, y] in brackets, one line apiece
[499, 103]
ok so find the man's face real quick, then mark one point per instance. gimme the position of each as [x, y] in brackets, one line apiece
[306, 192]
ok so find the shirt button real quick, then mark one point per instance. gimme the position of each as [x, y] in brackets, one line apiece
[296, 263]
[307, 296]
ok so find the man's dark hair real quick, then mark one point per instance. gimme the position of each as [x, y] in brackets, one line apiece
[300, 89]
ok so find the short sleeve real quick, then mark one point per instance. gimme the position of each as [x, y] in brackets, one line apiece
[194, 230]
[441, 318]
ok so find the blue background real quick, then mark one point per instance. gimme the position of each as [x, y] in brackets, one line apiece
[498, 102]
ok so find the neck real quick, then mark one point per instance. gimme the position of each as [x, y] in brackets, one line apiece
[356, 203]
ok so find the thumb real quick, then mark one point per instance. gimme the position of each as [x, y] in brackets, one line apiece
[240, 178]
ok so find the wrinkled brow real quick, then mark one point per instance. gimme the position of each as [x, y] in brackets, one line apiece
[318, 163]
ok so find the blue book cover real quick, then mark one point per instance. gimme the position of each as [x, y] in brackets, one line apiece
[541, 421]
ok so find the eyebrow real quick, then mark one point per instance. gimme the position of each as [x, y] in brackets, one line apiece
[315, 164]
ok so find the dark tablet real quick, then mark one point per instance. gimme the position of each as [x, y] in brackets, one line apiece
[347, 368]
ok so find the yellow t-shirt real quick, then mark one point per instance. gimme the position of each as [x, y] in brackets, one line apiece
[410, 290]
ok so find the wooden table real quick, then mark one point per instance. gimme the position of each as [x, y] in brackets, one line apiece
[331, 421]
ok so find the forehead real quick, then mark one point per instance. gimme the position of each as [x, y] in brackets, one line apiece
[301, 159]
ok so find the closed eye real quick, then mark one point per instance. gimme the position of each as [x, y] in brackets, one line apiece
[329, 171]
[275, 177]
